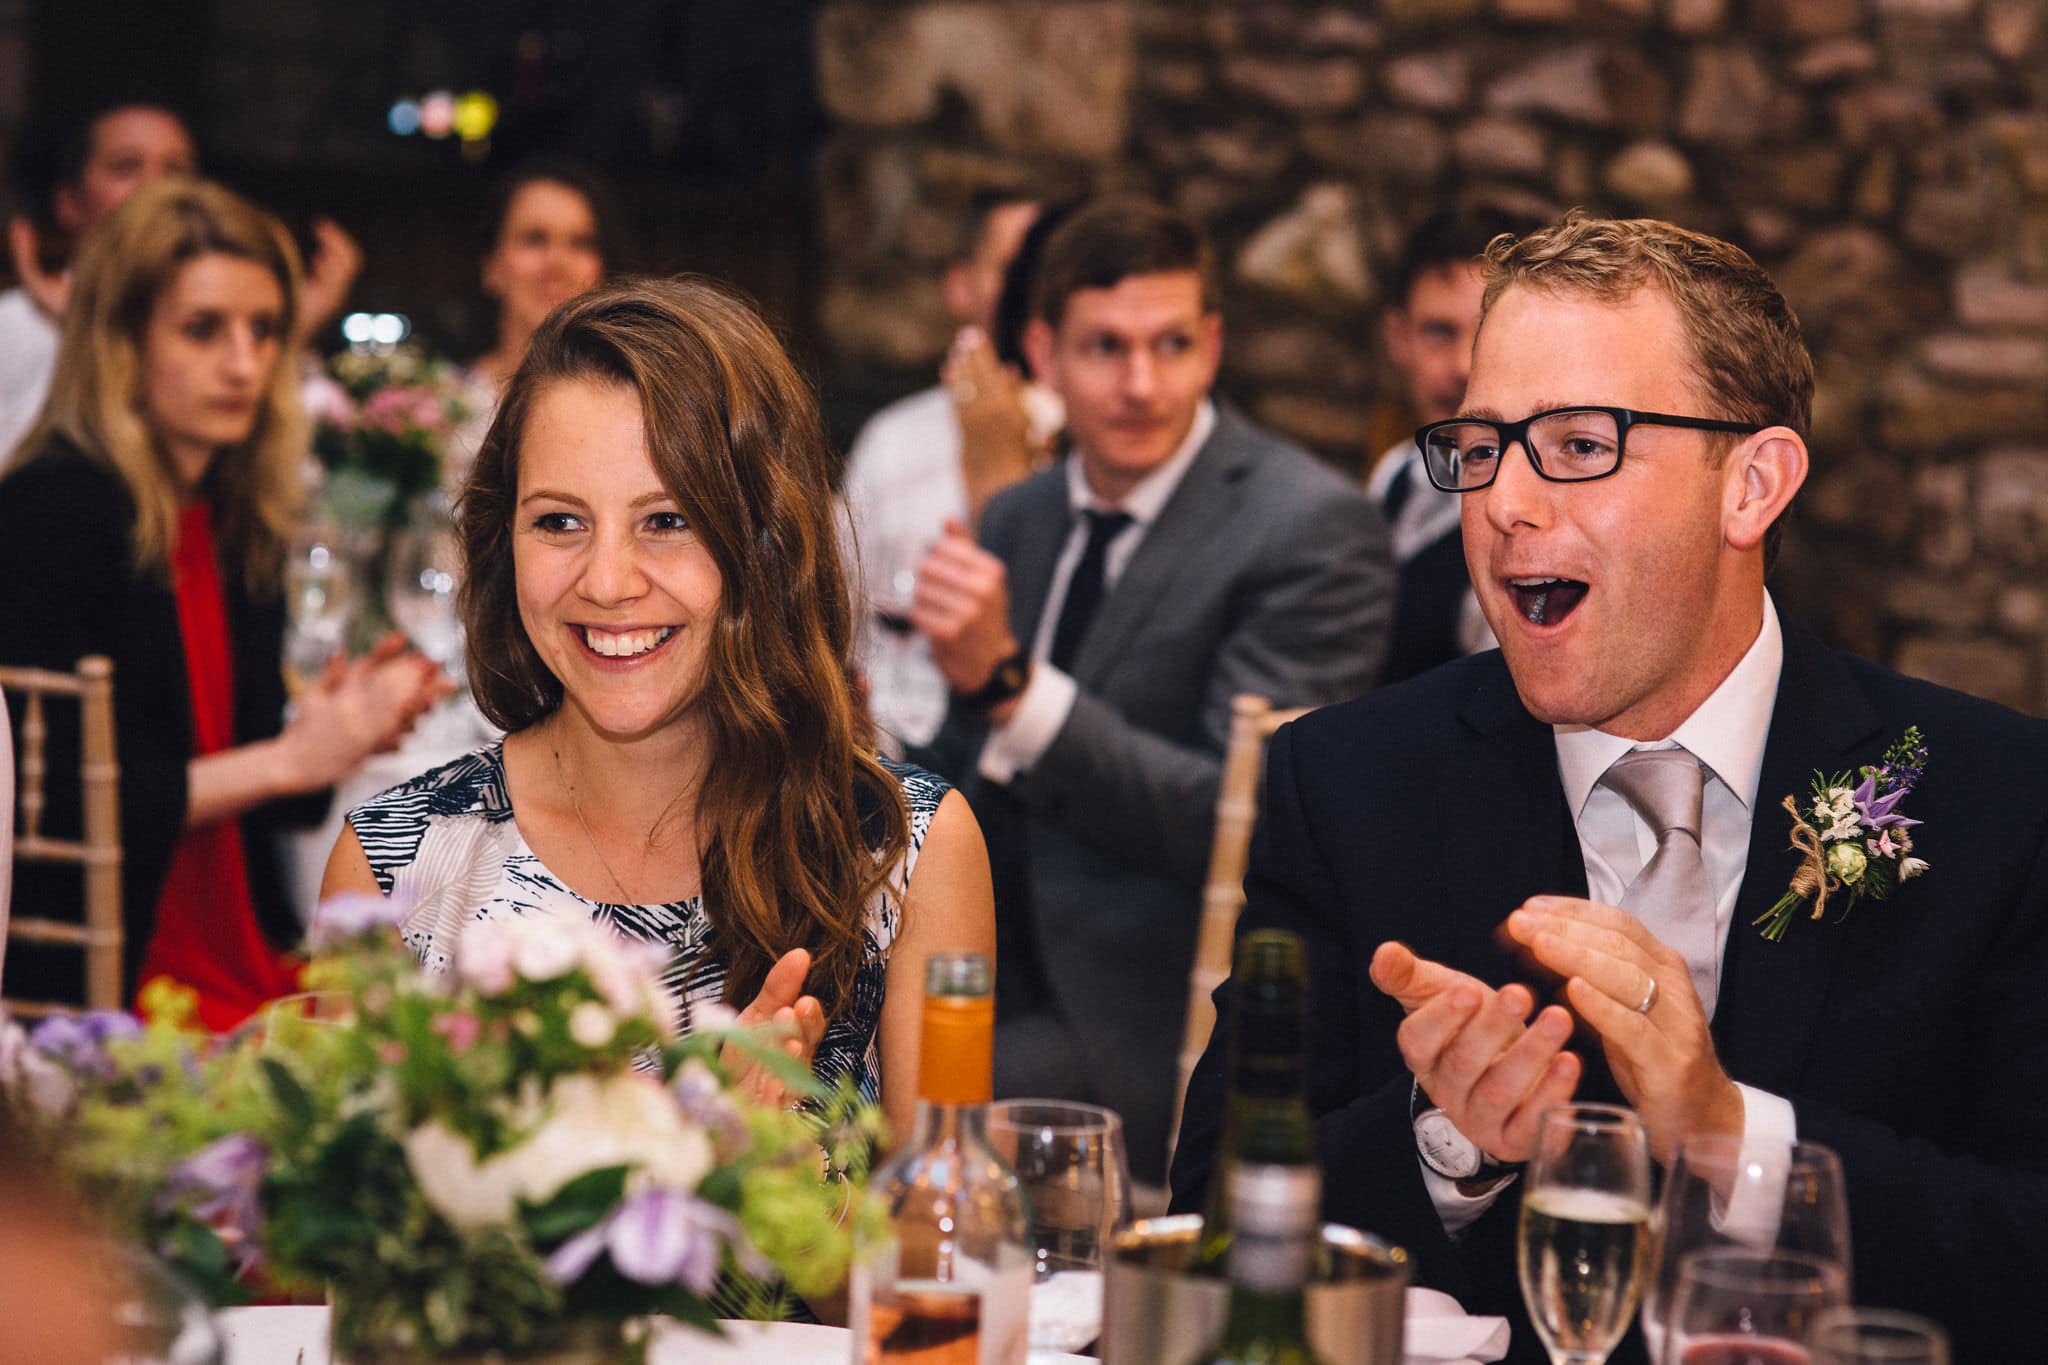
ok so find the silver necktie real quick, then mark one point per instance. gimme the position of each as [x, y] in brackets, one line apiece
[1671, 895]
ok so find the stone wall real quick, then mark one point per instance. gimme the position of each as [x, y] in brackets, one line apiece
[1887, 160]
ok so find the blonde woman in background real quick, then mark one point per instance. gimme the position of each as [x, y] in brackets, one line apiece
[146, 521]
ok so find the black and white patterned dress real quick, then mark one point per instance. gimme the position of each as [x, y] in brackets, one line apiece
[447, 844]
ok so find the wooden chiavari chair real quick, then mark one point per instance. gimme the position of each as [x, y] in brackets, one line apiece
[98, 932]
[1252, 722]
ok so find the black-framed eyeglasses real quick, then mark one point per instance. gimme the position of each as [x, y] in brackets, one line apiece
[1564, 445]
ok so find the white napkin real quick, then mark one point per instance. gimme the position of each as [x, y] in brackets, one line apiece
[1439, 1332]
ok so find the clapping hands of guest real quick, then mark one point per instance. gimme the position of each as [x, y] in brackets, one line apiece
[1662, 1056]
[331, 272]
[359, 707]
[782, 1003]
[962, 606]
[1469, 1047]
[50, 290]
[996, 448]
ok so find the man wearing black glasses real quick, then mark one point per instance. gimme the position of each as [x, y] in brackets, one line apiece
[1538, 874]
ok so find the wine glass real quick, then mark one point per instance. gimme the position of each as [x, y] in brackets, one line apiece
[424, 573]
[1877, 1336]
[1070, 1160]
[1584, 1240]
[1725, 1191]
[1735, 1306]
[908, 694]
[320, 602]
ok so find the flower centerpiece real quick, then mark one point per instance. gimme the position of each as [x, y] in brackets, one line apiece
[1857, 842]
[521, 1151]
[383, 420]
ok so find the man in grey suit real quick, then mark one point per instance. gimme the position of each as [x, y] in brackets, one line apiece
[1095, 636]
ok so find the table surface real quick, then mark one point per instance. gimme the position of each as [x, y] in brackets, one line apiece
[298, 1336]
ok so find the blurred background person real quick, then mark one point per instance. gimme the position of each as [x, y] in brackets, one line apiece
[1428, 325]
[553, 232]
[657, 618]
[66, 179]
[147, 521]
[940, 454]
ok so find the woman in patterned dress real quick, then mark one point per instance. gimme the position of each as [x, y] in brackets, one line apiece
[657, 616]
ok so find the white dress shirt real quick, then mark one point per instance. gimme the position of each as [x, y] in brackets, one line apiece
[1043, 706]
[28, 357]
[1726, 734]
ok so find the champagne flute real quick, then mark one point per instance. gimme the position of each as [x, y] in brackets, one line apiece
[1735, 1306]
[1070, 1160]
[1877, 1336]
[1584, 1240]
[1725, 1191]
[425, 574]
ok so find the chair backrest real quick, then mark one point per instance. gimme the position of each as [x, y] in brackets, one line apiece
[1252, 722]
[98, 931]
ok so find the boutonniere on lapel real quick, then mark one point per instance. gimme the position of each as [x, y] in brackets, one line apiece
[1856, 843]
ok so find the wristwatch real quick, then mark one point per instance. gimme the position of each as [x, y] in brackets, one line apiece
[1452, 1155]
[1007, 681]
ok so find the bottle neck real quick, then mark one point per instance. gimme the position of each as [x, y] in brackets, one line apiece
[954, 1125]
[956, 1052]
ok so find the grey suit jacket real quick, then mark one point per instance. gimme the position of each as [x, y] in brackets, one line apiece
[1266, 572]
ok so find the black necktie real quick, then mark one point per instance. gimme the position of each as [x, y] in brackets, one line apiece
[1084, 589]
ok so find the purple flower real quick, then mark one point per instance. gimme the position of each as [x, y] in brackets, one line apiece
[80, 1041]
[660, 1236]
[352, 915]
[1880, 812]
[219, 1185]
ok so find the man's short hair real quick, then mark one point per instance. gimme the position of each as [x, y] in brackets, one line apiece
[983, 205]
[1451, 237]
[1750, 362]
[1112, 239]
[52, 151]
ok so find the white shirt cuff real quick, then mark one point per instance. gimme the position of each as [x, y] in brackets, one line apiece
[1752, 1215]
[1042, 709]
[1454, 1210]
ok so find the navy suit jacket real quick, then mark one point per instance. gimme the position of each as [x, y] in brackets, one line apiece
[1911, 1037]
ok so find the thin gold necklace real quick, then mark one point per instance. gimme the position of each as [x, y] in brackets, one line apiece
[625, 897]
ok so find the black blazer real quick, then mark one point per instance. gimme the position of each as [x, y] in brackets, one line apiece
[1912, 1038]
[68, 588]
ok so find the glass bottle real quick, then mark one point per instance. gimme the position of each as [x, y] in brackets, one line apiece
[1273, 1235]
[1266, 1120]
[951, 1285]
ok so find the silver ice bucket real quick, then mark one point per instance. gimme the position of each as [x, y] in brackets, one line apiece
[1154, 1313]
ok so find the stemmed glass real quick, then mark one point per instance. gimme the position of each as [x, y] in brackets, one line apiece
[1735, 1306]
[424, 573]
[1732, 1192]
[320, 591]
[1877, 1336]
[909, 698]
[1071, 1163]
[1584, 1240]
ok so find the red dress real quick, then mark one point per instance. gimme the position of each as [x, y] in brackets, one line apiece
[207, 936]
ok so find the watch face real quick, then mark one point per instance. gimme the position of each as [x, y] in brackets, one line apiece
[1449, 1152]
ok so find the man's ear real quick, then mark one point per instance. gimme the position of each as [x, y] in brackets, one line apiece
[959, 291]
[1765, 472]
[1038, 349]
[1212, 345]
[1394, 332]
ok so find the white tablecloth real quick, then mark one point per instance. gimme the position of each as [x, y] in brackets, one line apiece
[298, 1336]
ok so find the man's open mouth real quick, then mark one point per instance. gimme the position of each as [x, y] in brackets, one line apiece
[1546, 601]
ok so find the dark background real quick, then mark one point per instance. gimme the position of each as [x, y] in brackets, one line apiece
[700, 113]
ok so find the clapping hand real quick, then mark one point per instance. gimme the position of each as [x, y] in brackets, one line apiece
[1471, 1050]
[962, 605]
[359, 707]
[49, 290]
[995, 428]
[1662, 1058]
[782, 1003]
[330, 273]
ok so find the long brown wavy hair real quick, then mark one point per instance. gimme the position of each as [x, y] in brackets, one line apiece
[129, 260]
[799, 823]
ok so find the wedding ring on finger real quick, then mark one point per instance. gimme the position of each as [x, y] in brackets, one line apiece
[1649, 998]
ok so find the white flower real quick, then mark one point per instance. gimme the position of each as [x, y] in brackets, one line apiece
[625, 1120]
[1910, 868]
[466, 1193]
[544, 948]
[27, 1073]
[592, 1025]
[483, 957]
